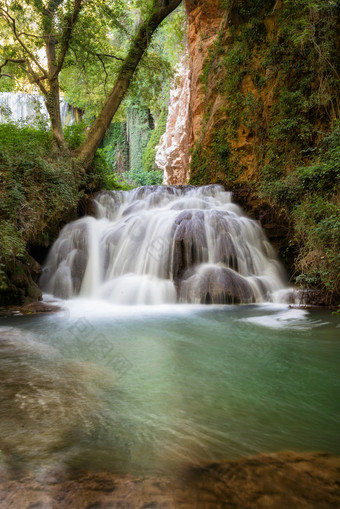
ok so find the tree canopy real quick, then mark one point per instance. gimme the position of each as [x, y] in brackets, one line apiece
[88, 49]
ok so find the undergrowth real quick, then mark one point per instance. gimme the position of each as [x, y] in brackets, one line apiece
[40, 189]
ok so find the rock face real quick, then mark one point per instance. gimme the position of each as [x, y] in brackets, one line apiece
[187, 97]
[197, 110]
[205, 20]
[220, 117]
[22, 287]
[262, 110]
[172, 155]
[246, 91]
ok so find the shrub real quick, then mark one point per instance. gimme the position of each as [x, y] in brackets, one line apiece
[143, 178]
[39, 191]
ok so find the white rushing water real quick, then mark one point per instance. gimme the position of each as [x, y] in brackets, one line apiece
[162, 245]
[26, 107]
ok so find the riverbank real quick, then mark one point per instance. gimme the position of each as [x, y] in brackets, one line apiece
[281, 480]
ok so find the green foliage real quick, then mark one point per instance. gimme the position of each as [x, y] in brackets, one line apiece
[317, 230]
[33, 141]
[149, 154]
[7, 84]
[75, 135]
[139, 126]
[143, 178]
[149, 81]
[309, 194]
[321, 176]
[38, 191]
[101, 38]
[11, 246]
[115, 148]
[277, 75]
[102, 176]
[133, 144]
[212, 164]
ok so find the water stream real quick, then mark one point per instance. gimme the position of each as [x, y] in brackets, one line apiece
[136, 373]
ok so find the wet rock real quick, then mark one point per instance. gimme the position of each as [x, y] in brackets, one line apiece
[190, 243]
[216, 285]
[311, 298]
[78, 267]
[39, 308]
[20, 287]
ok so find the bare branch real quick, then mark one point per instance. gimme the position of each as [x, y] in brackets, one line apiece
[106, 74]
[13, 60]
[5, 74]
[37, 79]
[82, 66]
[109, 56]
[31, 35]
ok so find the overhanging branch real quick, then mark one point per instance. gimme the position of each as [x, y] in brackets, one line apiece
[12, 24]
[70, 22]
[109, 56]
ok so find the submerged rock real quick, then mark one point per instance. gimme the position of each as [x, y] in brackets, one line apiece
[269, 481]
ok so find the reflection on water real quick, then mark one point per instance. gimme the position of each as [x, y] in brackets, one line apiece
[144, 390]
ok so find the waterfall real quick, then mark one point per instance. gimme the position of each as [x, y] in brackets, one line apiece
[26, 107]
[164, 244]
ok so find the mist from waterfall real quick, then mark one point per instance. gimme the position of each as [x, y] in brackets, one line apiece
[26, 107]
[162, 245]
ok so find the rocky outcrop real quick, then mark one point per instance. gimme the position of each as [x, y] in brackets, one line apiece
[204, 22]
[264, 99]
[225, 143]
[187, 96]
[172, 154]
[21, 287]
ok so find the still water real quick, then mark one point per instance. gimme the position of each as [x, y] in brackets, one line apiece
[148, 389]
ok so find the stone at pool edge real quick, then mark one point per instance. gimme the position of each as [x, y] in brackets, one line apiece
[33, 308]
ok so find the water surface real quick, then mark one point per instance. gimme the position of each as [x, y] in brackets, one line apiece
[148, 389]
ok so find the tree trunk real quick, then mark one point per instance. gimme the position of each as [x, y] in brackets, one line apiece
[85, 153]
[52, 97]
[53, 108]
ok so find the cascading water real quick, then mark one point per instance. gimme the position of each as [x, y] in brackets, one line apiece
[25, 107]
[164, 244]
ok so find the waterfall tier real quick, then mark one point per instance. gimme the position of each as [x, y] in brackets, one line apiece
[26, 107]
[164, 244]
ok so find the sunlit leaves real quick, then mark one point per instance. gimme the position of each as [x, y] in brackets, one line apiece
[99, 42]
